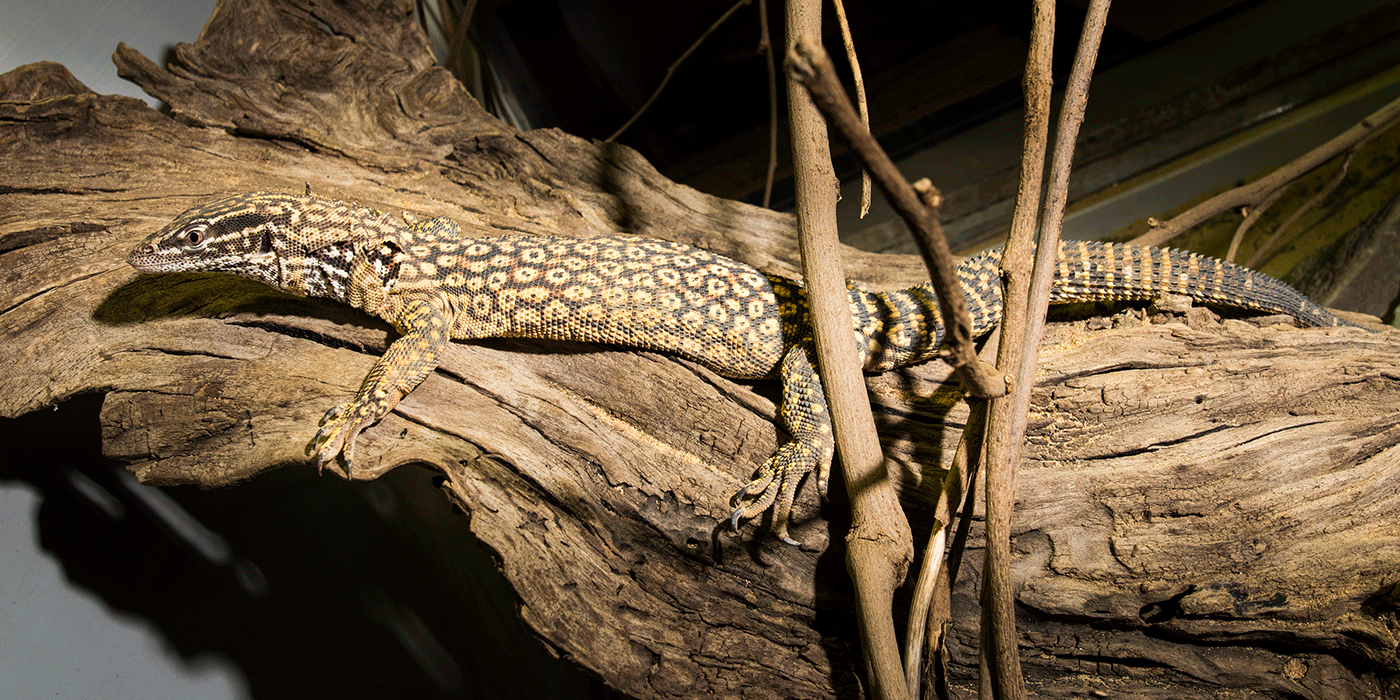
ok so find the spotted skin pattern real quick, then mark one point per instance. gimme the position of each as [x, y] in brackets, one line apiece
[435, 284]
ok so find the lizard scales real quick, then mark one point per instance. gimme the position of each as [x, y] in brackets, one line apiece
[435, 284]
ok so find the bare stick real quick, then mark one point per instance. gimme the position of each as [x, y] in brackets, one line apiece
[1269, 243]
[1001, 666]
[879, 546]
[1255, 192]
[861, 104]
[810, 64]
[765, 44]
[999, 676]
[670, 71]
[926, 620]
[459, 37]
[1249, 220]
[1258, 211]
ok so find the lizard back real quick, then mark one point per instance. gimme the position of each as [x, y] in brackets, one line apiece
[618, 290]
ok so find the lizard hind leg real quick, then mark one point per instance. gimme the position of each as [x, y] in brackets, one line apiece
[804, 413]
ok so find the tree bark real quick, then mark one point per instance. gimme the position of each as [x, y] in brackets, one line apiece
[1203, 506]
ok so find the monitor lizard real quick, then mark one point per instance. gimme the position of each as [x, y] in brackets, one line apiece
[434, 284]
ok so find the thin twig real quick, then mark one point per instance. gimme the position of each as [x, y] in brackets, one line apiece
[1254, 192]
[879, 546]
[924, 619]
[1250, 219]
[995, 678]
[1021, 333]
[765, 45]
[999, 447]
[812, 66]
[459, 37]
[1258, 211]
[861, 105]
[670, 71]
[1267, 247]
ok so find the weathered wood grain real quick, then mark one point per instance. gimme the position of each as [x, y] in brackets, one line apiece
[1207, 507]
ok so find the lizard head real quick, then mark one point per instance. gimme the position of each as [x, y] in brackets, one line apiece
[265, 236]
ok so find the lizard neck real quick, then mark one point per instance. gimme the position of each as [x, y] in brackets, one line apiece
[342, 251]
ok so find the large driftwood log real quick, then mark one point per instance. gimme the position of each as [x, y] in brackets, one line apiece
[1206, 508]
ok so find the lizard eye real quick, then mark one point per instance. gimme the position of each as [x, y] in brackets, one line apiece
[194, 237]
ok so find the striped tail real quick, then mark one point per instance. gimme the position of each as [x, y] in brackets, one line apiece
[903, 327]
[1093, 271]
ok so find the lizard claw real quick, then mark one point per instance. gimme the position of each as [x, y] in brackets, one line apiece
[776, 486]
[734, 519]
[339, 428]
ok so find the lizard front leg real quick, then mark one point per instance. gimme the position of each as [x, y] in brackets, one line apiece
[426, 333]
[804, 414]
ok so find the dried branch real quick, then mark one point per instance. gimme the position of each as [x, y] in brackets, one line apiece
[1251, 218]
[812, 67]
[459, 36]
[671, 70]
[1273, 239]
[861, 104]
[1021, 333]
[1254, 216]
[810, 64]
[927, 621]
[1000, 448]
[879, 545]
[765, 45]
[1254, 192]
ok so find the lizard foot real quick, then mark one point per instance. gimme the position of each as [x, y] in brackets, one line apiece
[339, 428]
[775, 486]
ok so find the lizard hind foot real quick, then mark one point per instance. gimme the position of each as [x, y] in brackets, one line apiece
[775, 486]
[340, 427]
